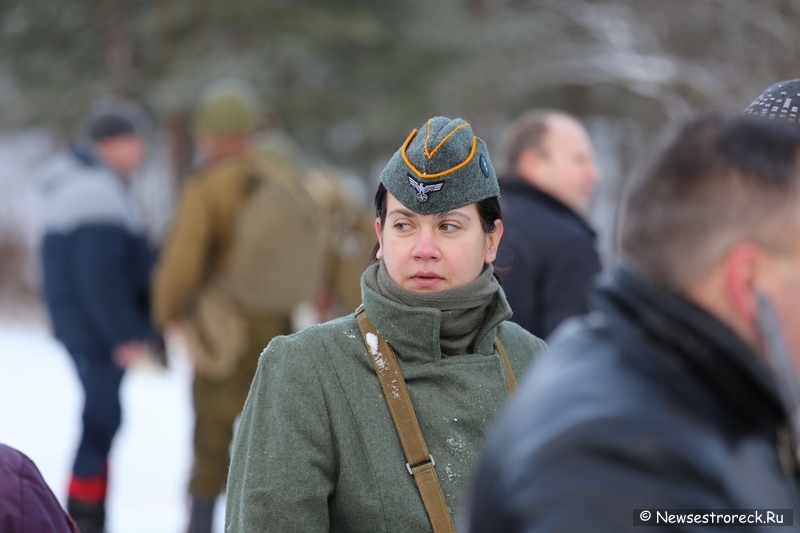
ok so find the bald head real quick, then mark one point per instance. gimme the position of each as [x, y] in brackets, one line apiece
[552, 151]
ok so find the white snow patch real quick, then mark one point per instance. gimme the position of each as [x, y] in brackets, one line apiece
[395, 390]
[372, 342]
[451, 473]
[380, 362]
[456, 445]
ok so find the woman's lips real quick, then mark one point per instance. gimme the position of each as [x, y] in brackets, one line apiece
[426, 279]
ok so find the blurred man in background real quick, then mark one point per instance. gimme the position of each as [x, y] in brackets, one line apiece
[547, 258]
[244, 249]
[97, 264]
[681, 391]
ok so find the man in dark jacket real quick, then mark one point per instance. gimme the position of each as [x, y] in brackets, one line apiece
[547, 258]
[668, 397]
[97, 265]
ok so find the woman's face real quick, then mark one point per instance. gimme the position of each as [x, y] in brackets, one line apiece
[427, 253]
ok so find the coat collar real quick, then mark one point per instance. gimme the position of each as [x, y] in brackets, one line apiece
[84, 155]
[515, 185]
[705, 345]
[413, 332]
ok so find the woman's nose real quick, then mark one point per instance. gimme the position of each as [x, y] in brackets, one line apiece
[426, 246]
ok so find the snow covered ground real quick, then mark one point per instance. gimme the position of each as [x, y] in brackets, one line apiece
[40, 405]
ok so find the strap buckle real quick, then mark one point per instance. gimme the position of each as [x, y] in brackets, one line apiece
[409, 467]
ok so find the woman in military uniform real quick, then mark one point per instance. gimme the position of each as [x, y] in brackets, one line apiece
[374, 422]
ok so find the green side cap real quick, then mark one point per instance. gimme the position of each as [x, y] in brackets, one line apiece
[441, 166]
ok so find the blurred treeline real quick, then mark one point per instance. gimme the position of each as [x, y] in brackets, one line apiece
[349, 79]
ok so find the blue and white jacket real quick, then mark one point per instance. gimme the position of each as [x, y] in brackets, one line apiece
[96, 259]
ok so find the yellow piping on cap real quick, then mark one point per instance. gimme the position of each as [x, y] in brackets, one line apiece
[438, 174]
[428, 136]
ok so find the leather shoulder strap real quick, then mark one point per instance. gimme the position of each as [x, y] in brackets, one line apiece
[511, 381]
[420, 462]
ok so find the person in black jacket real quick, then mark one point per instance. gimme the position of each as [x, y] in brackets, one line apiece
[673, 395]
[547, 258]
[96, 270]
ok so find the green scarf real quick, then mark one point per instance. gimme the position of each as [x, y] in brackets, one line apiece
[463, 309]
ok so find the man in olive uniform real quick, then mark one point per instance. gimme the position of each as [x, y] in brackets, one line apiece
[349, 232]
[199, 248]
[350, 240]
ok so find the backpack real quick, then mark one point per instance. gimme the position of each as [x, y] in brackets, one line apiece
[275, 262]
[278, 245]
[351, 237]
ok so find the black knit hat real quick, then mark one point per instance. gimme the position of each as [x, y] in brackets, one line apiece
[779, 101]
[112, 117]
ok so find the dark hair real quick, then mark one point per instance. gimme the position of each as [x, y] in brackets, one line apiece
[488, 210]
[720, 180]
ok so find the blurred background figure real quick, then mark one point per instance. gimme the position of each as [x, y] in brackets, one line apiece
[244, 249]
[27, 505]
[350, 237]
[547, 257]
[681, 391]
[348, 229]
[96, 268]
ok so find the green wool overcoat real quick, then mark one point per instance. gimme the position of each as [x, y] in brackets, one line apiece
[316, 449]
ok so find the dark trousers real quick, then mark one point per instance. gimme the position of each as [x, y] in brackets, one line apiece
[102, 416]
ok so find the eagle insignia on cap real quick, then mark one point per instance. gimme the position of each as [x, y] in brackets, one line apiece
[423, 190]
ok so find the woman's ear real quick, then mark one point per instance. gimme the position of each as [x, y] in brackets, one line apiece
[493, 241]
[379, 253]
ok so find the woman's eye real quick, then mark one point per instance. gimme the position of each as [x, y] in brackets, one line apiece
[401, 226]
[448, 227]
